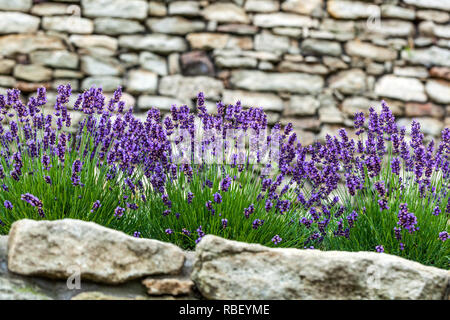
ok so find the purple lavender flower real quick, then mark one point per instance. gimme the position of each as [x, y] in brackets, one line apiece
[186, 232]
[48, 179]
[96, 205]
[8, 205]
[225, 184]
[118, 212]
[383, 204]
[190, 196]
[379, 248]
[224, 223]
[276, 239]
[31, 199]
[217, 198]
[443, 236]
[436, 211]
[257, 223]
[200, 233]
[248, 211]
[395, 166]
[407, 219]
[268, 205]
[169, 231]
[137, 234]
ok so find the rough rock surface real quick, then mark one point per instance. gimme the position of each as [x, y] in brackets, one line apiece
[53, 248]
[227, 269]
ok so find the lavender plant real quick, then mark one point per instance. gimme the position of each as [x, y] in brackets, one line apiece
[377, 193]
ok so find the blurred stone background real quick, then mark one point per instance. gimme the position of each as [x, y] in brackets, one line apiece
[310, 62]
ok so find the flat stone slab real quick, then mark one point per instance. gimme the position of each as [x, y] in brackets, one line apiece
[58, 249]
[227, 269]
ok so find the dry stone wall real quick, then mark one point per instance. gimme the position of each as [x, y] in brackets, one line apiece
[73, 259]
[310, 62]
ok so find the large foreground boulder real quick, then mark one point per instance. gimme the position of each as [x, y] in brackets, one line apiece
[61, 248]
[227, 269]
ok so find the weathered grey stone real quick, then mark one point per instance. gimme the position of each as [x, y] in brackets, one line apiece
[430, 56]
[16, 289]
[404, 89]
[433, 15]
[6, 66]
[286, 31]
[321, 47]
[292, 66]
[349, 9]
[184, 8]
[351, 81]
[95, 295]
[51, 248]
[438, 72]
[129, 59]
[260, 55]
[18, 22]
[175, 25]
[269, 42]
[429, 28]
[267, 101]
[113, 26]
[16, 5]
[67, 74]
[265, 65]
[391, 28]
[206, 41]
[306, 7]
[71, 24]
[7, 81]
[108, 83]
[156, 8]
[188, 87]
[101, 66]
[413, 72]
[174, 63]
[244, 29]
[367, 50]
[173, 287]
[51, 9]
[330, 114]
[424, 110]
[197, 63]
[334, 63]
[225, 12]
[128, 9]
[227, 269]
[152, 62]
[154, 42]
[289, 82]
[32, 72]
[236, 62]
[262, 6]
[281, 19]
[302, 106]
[142, 81]
[430, 4]
[55, 59]
[93, 41]
[393, 11]
[438, 90]
[160, 102]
